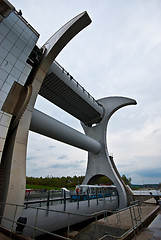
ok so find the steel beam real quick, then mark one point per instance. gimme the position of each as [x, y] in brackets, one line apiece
[50, 127]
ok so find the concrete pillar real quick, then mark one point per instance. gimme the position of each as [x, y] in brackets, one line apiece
[14, 154]
[100, 163]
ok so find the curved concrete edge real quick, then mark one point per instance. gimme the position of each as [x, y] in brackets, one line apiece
[114, 103]
[129, 193]
[60, 39]
[100, 164]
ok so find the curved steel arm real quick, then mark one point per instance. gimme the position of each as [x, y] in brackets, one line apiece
[60, 39]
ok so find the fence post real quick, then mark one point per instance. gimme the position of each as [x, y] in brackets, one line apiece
[103, 193]
[132, 222]
[97, 237]
[41, 194]
[88, 197]
[64, 200]
[77, 200]
[35, 223]
[68, 224]
[48, 198]
[97, 195]
[13, 220]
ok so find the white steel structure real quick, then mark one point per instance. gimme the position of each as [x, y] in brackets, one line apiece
[25, 72]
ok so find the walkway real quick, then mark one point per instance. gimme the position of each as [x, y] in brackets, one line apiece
[152, 232]
[118, 224]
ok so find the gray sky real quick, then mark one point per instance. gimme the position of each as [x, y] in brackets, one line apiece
[118, 54]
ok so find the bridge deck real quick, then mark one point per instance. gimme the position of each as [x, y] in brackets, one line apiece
[62, 90]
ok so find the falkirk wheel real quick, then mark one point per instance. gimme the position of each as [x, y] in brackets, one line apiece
[28, 71]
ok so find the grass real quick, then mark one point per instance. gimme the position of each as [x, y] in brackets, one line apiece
[29, 186]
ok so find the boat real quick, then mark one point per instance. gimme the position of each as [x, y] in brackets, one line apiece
[84, 192]
[81, 206]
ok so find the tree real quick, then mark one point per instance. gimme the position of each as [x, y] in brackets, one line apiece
[126, 180]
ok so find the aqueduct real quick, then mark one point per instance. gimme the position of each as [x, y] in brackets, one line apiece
[27, 71]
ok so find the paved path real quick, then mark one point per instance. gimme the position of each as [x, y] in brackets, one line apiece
[125, 216]
[118, 224]
[152, 232]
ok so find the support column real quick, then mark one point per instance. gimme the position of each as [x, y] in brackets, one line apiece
[100, 163]
[14, 155]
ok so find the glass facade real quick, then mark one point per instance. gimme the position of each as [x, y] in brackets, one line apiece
[17, 40]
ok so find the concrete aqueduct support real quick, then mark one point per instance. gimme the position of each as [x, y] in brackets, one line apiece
[19, 105]
[100, 163]
[14, 153]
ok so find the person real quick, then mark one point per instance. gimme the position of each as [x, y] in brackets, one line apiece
[156, 198]
[77, 191]
[20, 12]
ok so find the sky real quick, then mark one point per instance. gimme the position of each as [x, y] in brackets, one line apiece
[118, 54]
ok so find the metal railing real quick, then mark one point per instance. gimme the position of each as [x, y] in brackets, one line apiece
[135, 213]
[64, 197]
[78, 85]
[135, 219]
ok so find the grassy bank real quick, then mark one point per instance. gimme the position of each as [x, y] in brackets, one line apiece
[29, 186]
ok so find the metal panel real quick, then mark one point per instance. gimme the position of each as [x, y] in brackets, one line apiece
[7, 44]
[3, 52]
[1, 37]
[20, 44]
[11, 59]
[12, 37]
[15, 51]
[4, 29]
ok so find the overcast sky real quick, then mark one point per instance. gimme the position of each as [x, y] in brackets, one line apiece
[118, 54]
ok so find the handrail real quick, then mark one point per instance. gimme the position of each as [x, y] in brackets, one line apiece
[78, 214]
[38, 229]
[134, 227]
[93, 215]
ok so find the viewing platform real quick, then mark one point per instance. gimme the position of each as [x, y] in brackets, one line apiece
[141, 222]
[136, 223]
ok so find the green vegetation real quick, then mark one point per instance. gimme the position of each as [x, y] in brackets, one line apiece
[29, 186]
[53, 182]
[101, 180]
[135, 187]
[126, 180]
[50, 182]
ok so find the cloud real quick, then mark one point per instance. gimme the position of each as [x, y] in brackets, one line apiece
[149, 173]
[74, 165]
[31, 158]
[142, 169]
[62, 157]
[51, 147]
